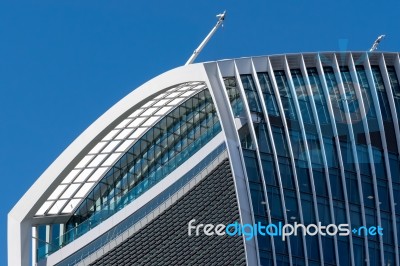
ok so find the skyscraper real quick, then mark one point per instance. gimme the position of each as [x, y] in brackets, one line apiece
[285, 139]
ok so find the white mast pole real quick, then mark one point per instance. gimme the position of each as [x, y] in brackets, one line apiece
[196, 52]
[376, 43]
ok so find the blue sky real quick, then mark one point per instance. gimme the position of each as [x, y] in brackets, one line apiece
[64, 63]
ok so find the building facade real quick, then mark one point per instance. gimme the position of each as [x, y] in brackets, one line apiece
[286, 139]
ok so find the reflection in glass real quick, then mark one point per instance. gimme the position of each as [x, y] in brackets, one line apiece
[157, 153]
[251, 93]
[268, 92]
[382, 96]
[285, 95]
[233, 91]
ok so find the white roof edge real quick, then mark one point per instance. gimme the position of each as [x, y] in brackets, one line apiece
[26, 207]
[300, 53]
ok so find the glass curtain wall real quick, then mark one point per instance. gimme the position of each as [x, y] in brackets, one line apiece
[168, 144]
[358, 173]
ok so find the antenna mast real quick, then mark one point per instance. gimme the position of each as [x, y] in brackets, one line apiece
[376, 43]
[221, 18]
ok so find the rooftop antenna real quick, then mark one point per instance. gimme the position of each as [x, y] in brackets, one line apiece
[221, 18]
[376, 43]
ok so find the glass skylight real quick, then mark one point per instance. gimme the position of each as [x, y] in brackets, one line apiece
[85, 175]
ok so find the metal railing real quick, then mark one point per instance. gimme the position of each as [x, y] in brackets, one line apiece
[110, 209]
[148, 212]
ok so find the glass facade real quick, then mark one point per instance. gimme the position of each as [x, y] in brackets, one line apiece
[161, 150]
[320, 158]
[164, 147]
[317, 136]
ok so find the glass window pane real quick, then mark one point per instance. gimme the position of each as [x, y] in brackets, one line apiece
[350, 94]
[285, 95]
[352, 188]
[334, 95]
[262, 137]
[251, 93]
[140, 167]
[318, 95]
[382, 96]
[302, 96]
[366, 92]
[245, 137]
[268, 92]
[394, 83]
[269, 170]
[234, 96]
[280, 141]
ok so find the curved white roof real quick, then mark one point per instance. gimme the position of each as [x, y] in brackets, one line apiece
[65, 183]
[92, 167]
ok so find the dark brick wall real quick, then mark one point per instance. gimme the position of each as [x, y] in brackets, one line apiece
[165, 240]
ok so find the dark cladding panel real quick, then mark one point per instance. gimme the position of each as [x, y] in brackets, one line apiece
[165, 240]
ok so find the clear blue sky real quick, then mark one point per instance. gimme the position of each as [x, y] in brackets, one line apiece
[64, 63]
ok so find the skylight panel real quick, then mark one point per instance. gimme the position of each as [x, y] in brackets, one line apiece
[173, 95]
[84, 190]
[111, 135]
[97, 161]
[83, 176]
[71, 205]
[162, 95]
[161, 102]
[176, 101]
[125, 145]
[185, 88]
[149, 103]
[188, 93]
[71, 176]
[44, 207]
[84, 161]
[111, 160]
[110, 147]
[70, 190]
[137, 122]
[136, 113]
[98, 174]
[137, 133]
[56, 193]
[149, 112]
[57, 207]
[98, 147]
[163, 110]
[124, 123]
[150, 121]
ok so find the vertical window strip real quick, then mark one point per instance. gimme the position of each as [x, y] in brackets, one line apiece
[338, 175]
[235, 99]
[257, 189]
[394, 83]
[318, 95]
[366, 92]
[302, 96]
[285, 95]
[251, 93]
[246, 141]
[268, 93]
[382, 96]
[350, 94]
[334, 95]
